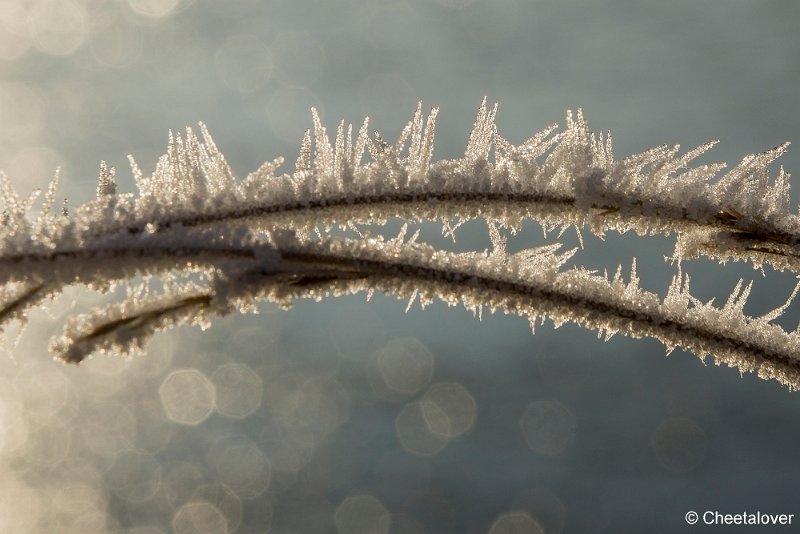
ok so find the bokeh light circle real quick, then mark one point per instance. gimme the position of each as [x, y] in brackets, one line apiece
[679, 444]
[548, 426]
[362, 514]
[516, 523]
[187, 396]
[154, 9]
[238, 390]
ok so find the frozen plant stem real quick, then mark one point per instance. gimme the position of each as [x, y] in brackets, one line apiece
[218, 244]
[527, 284]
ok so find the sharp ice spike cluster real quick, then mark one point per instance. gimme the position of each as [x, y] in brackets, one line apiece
[219, 244]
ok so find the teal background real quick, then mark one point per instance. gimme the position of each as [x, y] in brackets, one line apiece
[645, 438]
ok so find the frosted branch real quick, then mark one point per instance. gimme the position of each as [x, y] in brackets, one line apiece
[244, 237]
[559, 179]
[529, 284]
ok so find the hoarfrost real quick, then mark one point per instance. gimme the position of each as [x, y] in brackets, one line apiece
[219, 244]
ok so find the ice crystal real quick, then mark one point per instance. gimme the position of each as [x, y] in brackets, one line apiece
[219, 244]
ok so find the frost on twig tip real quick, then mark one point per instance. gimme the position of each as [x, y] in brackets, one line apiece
[266, 237]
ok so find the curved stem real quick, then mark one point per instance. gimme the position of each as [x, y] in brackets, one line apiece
[313, 270]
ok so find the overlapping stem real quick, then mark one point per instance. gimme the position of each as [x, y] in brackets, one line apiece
[193, 216]
[529, 287]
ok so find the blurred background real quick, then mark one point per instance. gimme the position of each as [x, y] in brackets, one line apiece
[354, 417]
